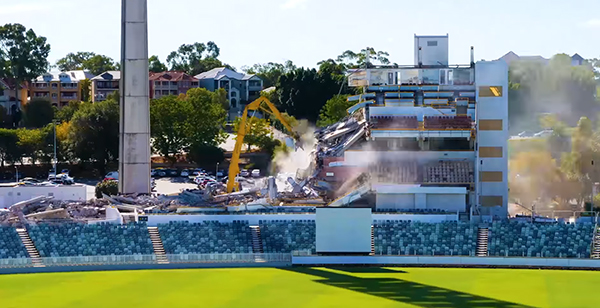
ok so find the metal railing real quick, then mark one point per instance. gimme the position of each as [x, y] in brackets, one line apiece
[230, 258]
[149, 259]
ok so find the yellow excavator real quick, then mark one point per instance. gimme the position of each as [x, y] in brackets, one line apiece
[261, 104]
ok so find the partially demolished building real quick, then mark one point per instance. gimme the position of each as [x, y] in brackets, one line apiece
[428, 136]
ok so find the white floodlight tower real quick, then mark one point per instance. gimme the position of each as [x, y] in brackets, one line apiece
[134, 130]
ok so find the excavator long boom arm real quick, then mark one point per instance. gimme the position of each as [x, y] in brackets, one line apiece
[257, 105]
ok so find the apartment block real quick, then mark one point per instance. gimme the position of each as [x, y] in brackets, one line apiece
[59, 87]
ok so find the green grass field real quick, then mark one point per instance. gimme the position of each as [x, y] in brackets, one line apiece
[303, 287]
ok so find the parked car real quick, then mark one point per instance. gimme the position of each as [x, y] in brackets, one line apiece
[184, 173]
[172, 172]
[256, 173]
[220, 173]
[153, 172]
[244, 173]
[161, 172]
[113, 175]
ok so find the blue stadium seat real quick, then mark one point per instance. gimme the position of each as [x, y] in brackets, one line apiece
[206, 237]
[555, 240]
[10, 244]
[396, 237]
[287, 235]
[89, 240]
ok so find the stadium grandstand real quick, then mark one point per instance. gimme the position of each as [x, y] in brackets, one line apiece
[417, 169]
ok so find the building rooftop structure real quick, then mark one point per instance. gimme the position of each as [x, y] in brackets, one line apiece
[220, 72]
[68, 76]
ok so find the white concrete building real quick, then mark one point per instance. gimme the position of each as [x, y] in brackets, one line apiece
[436, 139]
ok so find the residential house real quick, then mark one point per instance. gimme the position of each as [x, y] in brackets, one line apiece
[8, 95]
[105, 84]
[241, 88]
[576, 59]
[170, 83]
[59, 87]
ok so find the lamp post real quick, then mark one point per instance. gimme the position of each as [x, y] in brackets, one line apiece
[17, 173]
[217, 172]
[55, 160]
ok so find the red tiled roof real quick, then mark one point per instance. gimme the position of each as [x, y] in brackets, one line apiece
[11, 83]
[170, 76]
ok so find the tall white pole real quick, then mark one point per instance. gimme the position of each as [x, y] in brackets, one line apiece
[134, 141]
[55, 160]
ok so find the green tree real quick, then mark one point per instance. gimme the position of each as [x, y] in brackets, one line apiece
[558, 88]
[32, 143]
[23, 54]
[579, 164]
[38, 113]
[9, 151]
[90, 61]
[258, 132]
[206, 155]
[65, 113]
[270, 72]
[74, 61]
[334, 110]
[86, 90]
[168, 122]
[94, 133]
[155, 66]
[353, 59]
[206, 119]
[303, 92]
[109, 188]
[195, 58]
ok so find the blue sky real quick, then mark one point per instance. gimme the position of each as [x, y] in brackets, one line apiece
[307, 31]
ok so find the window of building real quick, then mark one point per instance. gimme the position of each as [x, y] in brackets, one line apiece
[173, 83]
[54, 95]
[431, 43]
[194, 83]
[233, 94]
[165, 83]
[491, 91]
[157, 83]
[156, 93]
[173, 92]
[54, 85]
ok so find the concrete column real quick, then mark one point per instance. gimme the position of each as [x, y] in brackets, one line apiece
[134, 141]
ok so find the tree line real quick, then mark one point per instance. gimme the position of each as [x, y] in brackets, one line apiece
[193, 123]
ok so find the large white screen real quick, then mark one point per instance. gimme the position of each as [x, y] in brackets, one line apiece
[343, 230]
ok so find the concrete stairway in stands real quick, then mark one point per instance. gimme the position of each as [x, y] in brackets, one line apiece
[256, 239]
[596, 244]
[32, 251]
[372, 240]
[483, 235]
[157, 245]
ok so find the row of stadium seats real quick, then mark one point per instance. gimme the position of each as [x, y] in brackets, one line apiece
[395, 172]
[447, 171]
[287, 236]
[10, 244]
[206, 237]
[393, 237]
[62, 240]
[518, 239]
[447, 122]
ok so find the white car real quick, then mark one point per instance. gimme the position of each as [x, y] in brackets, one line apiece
[255, 173]
[244, 173]
[184, 173]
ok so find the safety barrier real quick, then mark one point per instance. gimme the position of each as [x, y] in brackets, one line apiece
[150, 259]
[300, 259]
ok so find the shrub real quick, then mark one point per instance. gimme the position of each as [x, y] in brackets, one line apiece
[110, 188]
